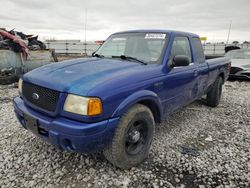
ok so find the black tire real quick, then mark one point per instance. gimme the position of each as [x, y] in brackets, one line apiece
[8, 79]
[214, 94]
[127, 149]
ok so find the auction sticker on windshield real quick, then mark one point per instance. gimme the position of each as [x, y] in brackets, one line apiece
[118, 39]
[155, 36]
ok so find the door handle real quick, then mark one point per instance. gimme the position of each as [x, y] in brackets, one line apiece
[195, 73]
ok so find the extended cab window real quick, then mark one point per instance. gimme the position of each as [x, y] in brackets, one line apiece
[198, 50]
[181, 46]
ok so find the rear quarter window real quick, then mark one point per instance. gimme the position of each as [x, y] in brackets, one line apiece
[198, 50]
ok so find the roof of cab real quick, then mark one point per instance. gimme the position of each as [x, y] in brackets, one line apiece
[159, 31]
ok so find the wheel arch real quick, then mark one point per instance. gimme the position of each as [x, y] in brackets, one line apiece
[153, 107]
[144, 97]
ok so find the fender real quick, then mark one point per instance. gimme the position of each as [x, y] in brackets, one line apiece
[139, 96]
[222, 71]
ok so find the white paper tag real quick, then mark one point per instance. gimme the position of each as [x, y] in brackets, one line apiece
[155, 36]
[118, 39]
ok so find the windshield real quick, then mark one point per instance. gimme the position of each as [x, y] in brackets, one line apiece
[239, 54]
[147, 47]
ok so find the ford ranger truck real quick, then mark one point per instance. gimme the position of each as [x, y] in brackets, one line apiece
[111, 102]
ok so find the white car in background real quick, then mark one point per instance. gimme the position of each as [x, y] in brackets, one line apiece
[240, 62]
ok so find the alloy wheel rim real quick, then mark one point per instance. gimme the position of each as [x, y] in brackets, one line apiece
[136, 137]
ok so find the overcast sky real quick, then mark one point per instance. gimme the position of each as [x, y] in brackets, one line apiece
[65, 19]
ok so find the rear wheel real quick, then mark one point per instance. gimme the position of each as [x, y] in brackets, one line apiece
[214, 94]
[132, 139]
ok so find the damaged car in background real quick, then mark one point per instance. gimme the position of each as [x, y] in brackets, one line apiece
[240, 59]
[20, 53]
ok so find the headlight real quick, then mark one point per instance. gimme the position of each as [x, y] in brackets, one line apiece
[20, 85]
[82, 105]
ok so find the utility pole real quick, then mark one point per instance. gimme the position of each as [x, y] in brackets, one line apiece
[229, 31]
[85, 31]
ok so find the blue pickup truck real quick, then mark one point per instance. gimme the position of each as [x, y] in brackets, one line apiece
[112, 101]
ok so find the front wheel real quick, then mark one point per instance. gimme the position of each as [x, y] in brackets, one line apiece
[132, 139]
[214, 94]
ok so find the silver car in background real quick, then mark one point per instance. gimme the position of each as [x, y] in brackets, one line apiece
[240, 60]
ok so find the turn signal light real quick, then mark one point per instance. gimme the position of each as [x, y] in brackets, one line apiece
[94, 106]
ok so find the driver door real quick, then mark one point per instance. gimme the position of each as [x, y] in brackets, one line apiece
[181, 85]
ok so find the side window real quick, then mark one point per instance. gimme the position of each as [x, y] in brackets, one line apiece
[181, 46]
[198, 50]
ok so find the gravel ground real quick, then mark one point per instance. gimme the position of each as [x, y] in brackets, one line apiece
[197, 146]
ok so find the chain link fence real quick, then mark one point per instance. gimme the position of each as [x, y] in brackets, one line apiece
[71, 47]
[219, 49]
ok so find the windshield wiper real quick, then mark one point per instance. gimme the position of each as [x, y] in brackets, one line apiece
[98, 55]
[130, 58]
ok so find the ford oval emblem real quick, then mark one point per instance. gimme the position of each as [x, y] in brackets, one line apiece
[35, 96]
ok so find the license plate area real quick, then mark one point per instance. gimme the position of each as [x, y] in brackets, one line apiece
[31, 123]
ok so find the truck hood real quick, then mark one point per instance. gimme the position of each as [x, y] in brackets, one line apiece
[78, 76]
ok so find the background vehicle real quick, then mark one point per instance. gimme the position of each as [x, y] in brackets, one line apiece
[112, 101]
[20, 53]
[12, 65]
[240, 59]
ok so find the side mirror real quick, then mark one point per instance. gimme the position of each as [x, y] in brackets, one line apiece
[180, 60]
[93, 54]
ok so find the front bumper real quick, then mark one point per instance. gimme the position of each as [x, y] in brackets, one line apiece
[68, 134]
